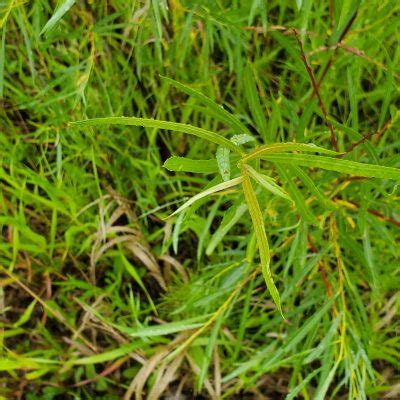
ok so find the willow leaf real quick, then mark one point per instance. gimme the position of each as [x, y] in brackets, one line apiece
[284, 147]
[223, 161]
[262, 241]
[188, 165]
[171, 126]
[267, 183]
[336, 164]
[211, 190]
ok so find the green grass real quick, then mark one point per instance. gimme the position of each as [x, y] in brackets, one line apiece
[170, 180]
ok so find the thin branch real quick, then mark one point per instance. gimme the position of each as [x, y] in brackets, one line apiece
[379, 133]
[316, 90]
[330, 61]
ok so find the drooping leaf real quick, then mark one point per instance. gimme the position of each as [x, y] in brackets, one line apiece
[171, 126]
[262, 241]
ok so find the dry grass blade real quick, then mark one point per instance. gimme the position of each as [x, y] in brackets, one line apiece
[138, 383]
[165, 376]
[110, 235]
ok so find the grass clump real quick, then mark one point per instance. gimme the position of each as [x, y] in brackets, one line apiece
[199, 199]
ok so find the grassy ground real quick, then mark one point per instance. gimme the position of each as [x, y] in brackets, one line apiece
[102, 296]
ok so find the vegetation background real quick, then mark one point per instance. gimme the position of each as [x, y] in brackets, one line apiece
[103, 297]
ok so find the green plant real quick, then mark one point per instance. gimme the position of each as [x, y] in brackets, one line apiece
[102, 295]
[281, 154]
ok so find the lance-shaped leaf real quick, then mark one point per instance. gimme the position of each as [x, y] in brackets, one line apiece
[267, 182]
[223, 154]
[211, 190]
[188, 165]
[335, 164]
[171, 126]
[223, 161]
[285, 147]
[218, 110]
[262, 241]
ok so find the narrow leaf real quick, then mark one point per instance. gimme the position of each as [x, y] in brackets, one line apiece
[223, 162]
[172, 126]
[284, 147]
[267, 183]
[232, 216]
[296, 171]
[59, 13]
[336, 164]
[107, 356]
[218, 110]
[187, 165]
[262, 241]
[211, 190]
[253, 100]
[298, 198]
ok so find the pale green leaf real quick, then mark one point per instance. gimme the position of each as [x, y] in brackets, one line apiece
[223, 162]
[188, 165]
[108, 355]
[267, 183]
[58, 14]
[211, 190]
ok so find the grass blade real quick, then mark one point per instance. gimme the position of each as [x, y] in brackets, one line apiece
[218, 110]
[253, 100]
[298, 198]
[231, 217]
[297, 171]
[59, 13]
